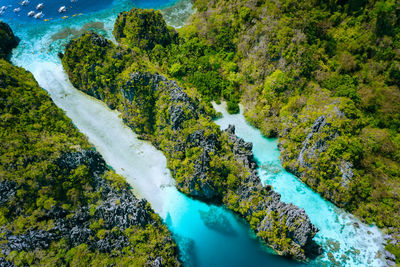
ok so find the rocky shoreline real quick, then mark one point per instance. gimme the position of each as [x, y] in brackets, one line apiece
[118, 210]
[60, 204]
[201, 158]
[302, 233]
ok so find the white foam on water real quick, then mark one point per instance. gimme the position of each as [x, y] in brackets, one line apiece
[350, 241]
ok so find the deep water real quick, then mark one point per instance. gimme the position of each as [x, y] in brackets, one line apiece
[73, 8]
[207, 235]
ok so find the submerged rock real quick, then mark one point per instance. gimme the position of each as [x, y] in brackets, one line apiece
[206, 163]
[217, 221]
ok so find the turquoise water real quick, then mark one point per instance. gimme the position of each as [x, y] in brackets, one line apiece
[351, 242]
[207, 235]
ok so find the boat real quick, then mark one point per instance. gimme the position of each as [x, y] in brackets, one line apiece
[2, 10]
[38, 15]
[24, 3]
[40, 6]
[31, 13]
[62, 9]
[16, 10]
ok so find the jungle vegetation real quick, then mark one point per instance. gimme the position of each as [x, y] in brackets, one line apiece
[290, 63]
[35, 136]
[175, 118]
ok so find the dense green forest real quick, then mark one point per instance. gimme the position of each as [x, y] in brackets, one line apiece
[60, 205]
[207, 163]
[323, 76]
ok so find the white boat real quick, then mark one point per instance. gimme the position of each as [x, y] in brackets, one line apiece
[24, 3]
[31, 13]
[38, 15]
[73, 1]
[62, 9]
[40, 6]
[16, 10]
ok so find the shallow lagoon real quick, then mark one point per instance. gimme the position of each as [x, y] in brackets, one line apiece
[203, 239]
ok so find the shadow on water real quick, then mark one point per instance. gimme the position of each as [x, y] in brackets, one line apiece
[216, 220]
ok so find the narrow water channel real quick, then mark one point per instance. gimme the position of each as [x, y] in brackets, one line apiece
[207, 235]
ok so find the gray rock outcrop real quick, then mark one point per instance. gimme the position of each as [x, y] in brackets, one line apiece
[300, 229]
[117, 209]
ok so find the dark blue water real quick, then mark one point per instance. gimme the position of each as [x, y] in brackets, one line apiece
[50, 9]
[73, 8]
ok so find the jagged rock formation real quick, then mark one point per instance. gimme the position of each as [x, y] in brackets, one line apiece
[319, 146]
[311, 141]
[7, 190]
[181, 108]
[117, 210]
[143, 28]
[319, 123]
[300, 228]
[60, 204]
[339, 57]
[204, 163]
[8, 40]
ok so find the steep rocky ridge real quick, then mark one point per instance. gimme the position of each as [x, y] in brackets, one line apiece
[298, 224]
[291, 62]
[207, 163]
[323, 77]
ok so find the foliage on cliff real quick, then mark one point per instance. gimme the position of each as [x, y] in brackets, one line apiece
[185, 56]
[323, 76]
[292, 63]
[144, 29]
[200, 156]
[60, 204]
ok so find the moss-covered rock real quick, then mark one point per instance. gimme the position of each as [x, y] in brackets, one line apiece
[143, 28]
[59, 202]
[301, 64]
